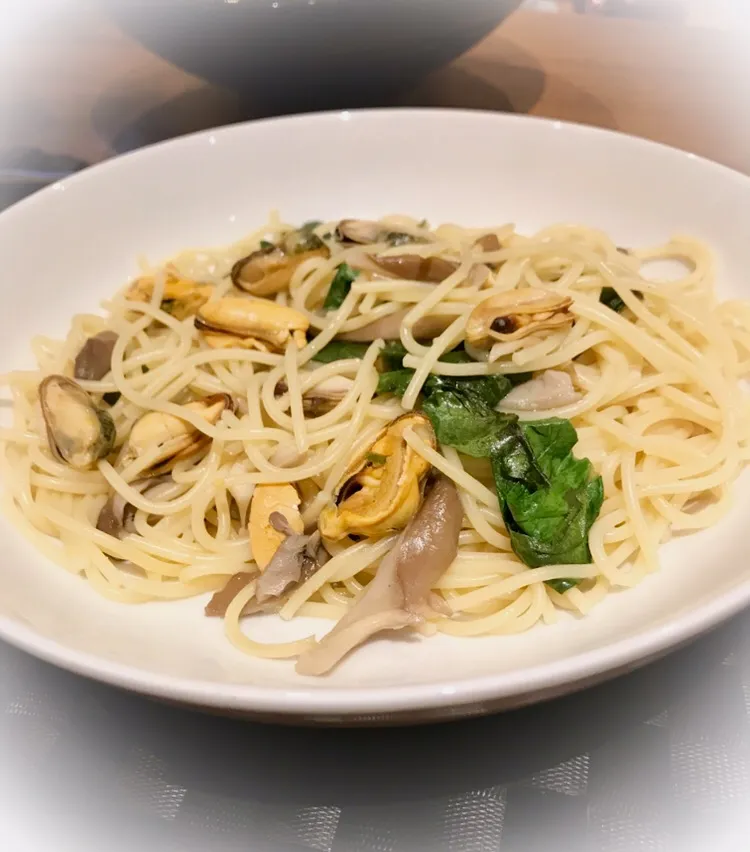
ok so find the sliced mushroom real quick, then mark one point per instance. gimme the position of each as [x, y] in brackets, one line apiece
[296, 559]
[269, 270]
[219, 603]
[181, 297]
[400, 594]
[265, 538]
[415, 268]
[324, 397]
[170, 436]
[251, 324]
[515, 314]
[549, 389]
[488, 243]
[78, 432]
[117, 515]
[375, 497]
[389, 328]
[111, 516]
[94, 360]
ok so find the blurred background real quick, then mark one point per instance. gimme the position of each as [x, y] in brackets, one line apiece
[81, 80]
[658, 761]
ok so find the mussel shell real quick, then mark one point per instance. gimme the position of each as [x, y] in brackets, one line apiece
[79, 433]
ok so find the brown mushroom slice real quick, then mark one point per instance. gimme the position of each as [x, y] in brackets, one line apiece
[488, 243]
[381, 489]
[400, 594]
[389, 328]
[296, 559]
[322, 398]
[412, 267]
[269, 270]
[116, 516]
[219, 604]
[515, 314]
[111, 516]
[94, 360]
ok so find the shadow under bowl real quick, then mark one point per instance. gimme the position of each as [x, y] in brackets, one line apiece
[302, 55]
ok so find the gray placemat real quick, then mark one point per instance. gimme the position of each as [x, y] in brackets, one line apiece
[658, 760]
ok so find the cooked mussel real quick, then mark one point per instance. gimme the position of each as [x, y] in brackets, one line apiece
[265, 538]
[381, 489]
[165, 439]
[365, 231]
[515, 314]
[269, 269]
[251, 324]
[181, 297]
[78, 432]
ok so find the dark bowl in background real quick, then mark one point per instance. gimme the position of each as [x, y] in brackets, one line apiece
[300, 55]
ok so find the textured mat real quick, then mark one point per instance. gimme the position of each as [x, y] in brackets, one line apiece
[658, 761]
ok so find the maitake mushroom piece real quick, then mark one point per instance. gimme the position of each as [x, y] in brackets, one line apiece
[399, 595]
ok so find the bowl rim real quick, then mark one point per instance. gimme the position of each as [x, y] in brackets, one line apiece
[319, 700]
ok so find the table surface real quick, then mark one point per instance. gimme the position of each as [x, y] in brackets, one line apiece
[76, 86]
[658, 760]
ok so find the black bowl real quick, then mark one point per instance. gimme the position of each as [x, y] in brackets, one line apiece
[299, 55]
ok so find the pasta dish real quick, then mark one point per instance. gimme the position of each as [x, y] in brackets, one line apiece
[387, 425]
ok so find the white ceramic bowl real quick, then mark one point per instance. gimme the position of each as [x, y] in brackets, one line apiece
[66, 248]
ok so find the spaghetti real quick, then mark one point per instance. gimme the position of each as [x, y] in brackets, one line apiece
[647, 372]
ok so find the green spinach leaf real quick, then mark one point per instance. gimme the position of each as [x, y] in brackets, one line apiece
[392, 356]
[461, 408]
[305, 239]
[395, 381]
[610, 297]
[549, 499]
[340, 286]
[461, 419]
[340, 350]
